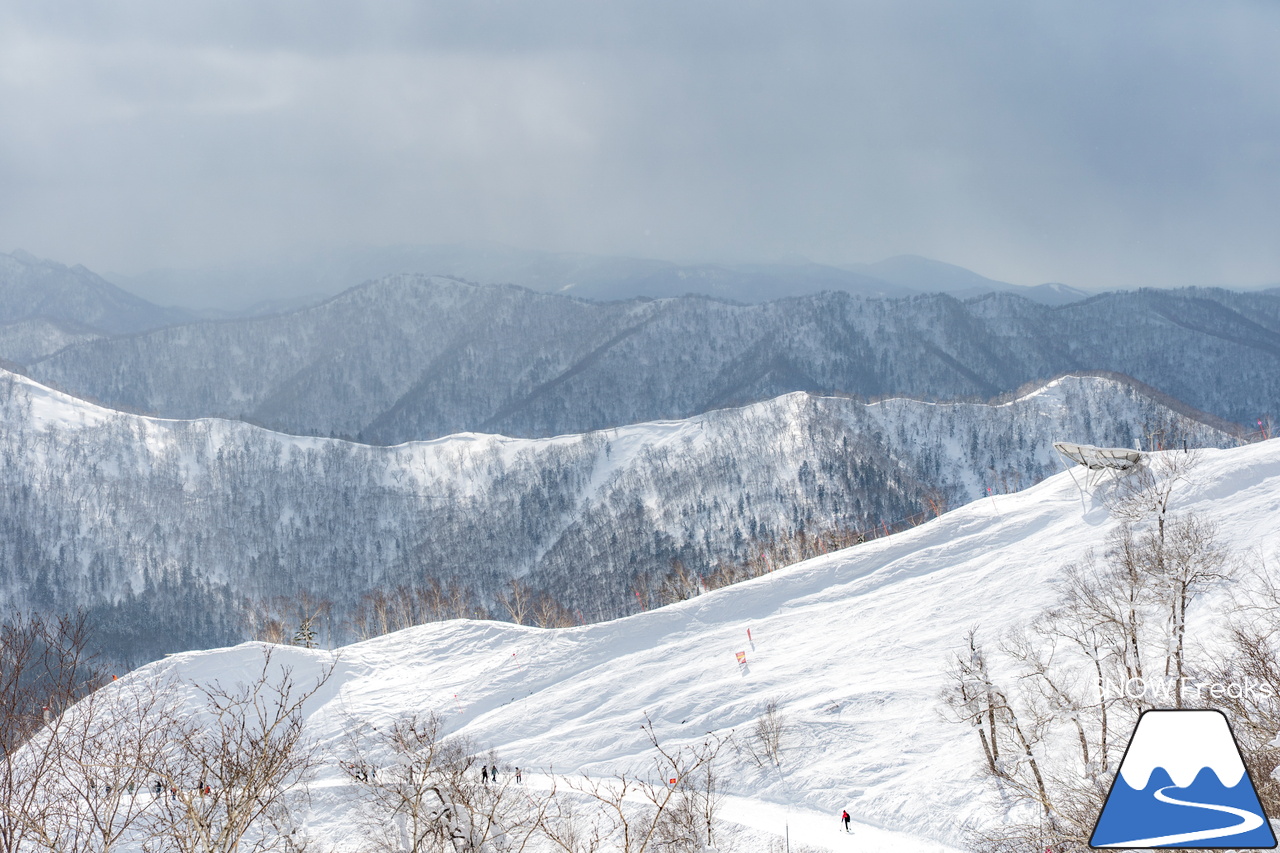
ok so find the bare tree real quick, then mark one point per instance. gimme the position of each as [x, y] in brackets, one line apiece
[549, 612]
[263, 624]
[1176, 556]
[422, 792]
[679, 583]
[1010, 739]
[678, 811]
[689, 823]
[402, 773]
[44, 669]
[1247, 676]
[565, 826]
[970, 694]
[1191, 561]
[611, 819]
[764, 745]
[517, 601]
[106, 748]
[1146, 493]
[241, 768]
[1090, 664]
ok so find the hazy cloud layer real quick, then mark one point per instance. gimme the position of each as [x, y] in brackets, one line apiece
[1100, 143]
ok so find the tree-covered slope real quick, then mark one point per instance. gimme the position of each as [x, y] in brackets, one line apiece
[122, 512]
[412, 357]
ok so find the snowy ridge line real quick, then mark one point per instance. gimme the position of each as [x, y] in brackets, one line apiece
[110, 510]
[1026, 392]
[1039, 386]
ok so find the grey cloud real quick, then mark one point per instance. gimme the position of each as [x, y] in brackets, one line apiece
[1099, 143]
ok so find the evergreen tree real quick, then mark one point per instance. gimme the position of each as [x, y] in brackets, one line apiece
[305, 636]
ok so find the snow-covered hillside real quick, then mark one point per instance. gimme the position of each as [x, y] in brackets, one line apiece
[852, 645]
[37, 337]
[157, 522]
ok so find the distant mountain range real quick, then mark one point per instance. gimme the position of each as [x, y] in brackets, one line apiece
[416, 357]
[45, 305]
[73, 297]
[924, 275]
[595, 277]
[168, 529]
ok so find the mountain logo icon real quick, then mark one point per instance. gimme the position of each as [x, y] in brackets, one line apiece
[1182, 783]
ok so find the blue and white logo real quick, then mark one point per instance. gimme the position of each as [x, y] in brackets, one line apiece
[1182, 783]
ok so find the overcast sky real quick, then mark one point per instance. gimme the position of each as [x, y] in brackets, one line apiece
[1105, 144]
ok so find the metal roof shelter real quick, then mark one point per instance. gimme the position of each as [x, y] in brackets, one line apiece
[1099, 458]
[1113, 460]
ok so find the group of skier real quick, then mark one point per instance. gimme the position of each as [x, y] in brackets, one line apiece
[157, 789]
[491, 773]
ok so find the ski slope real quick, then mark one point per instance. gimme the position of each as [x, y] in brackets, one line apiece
[852, 644]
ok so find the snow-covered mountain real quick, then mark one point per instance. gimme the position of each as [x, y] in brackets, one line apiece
[597, 277]
[34, 288]
[852, 645]
[588, 276]
[412, 357]
[154, 522]
[37, 337]
[925, 275]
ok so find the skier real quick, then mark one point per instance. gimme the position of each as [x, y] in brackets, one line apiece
[493, 771]
[845, 817]
[517, 775]
[484, 774]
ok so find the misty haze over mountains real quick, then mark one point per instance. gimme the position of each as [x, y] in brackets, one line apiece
[596, 277]
[259, 288]
[415, 357]
[694, 431]
[34, 288]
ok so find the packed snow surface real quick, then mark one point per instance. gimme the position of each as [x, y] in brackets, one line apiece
[852, 645]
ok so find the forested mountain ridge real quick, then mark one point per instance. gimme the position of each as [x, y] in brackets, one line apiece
[168, 528]
[32, 339]
[414, 357]
[73, 296]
